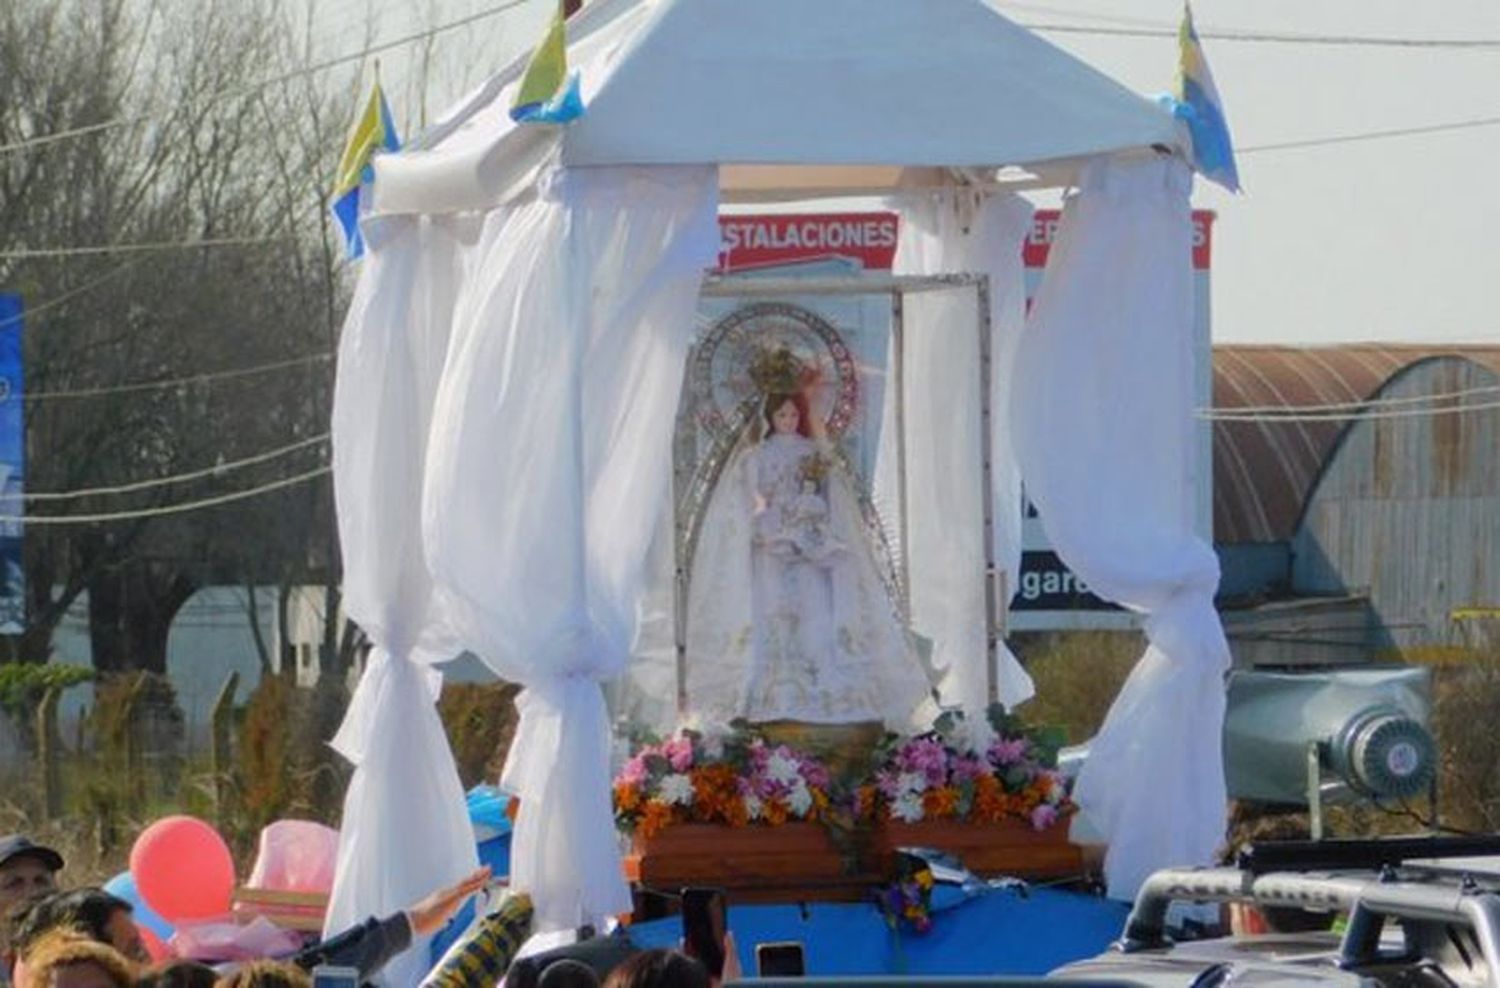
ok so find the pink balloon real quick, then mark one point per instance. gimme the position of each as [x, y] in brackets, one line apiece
[155, 949]
[183, 869]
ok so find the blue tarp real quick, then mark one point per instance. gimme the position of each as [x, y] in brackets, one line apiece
[999, 932]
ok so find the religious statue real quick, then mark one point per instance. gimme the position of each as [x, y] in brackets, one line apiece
[788, 616]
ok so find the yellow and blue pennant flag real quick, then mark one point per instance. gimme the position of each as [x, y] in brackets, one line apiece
[1199, 106]
[549, 92]
[373, 131]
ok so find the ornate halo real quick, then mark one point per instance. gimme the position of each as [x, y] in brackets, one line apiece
[721, 383]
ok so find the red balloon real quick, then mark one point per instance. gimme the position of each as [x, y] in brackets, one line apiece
[155, 949]
[183, 870]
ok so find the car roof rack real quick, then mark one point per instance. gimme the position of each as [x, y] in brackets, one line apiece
[1369, 853]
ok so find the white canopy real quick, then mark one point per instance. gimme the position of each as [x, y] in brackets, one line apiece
[509, 366]
[900, 88]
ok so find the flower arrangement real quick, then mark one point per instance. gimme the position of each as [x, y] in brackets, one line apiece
[943, 775]
[909, 898]
[738, 780]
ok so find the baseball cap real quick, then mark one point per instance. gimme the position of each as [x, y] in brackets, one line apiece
[13, 846]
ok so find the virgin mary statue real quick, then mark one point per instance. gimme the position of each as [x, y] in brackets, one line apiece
[788, 616]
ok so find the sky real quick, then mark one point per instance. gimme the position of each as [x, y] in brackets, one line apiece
[1389, 239]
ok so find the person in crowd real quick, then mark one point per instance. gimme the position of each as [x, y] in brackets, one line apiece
[369, 946]
[659, 968]
[69, 959]
[568, 973]
[91, 911]
[179, 974]
[27, 869]
[266, 974]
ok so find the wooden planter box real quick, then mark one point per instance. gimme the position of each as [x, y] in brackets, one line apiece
[756, 863]
[1007, 848]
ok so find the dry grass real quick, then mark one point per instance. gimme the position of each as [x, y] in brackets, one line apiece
[1077, 676]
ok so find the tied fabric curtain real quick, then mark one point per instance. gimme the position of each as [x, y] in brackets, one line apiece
[1102, 404]
[405, 831]
[547, 468]
[945, 232]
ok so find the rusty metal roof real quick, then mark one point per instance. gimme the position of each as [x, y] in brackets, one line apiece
[1264, 471]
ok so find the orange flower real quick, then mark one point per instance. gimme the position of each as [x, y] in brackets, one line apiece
[627, 797]
[940, 803]
[775, 812]
[865, 798]
[655, 818]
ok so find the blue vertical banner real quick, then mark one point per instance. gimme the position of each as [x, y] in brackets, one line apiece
[12, 466]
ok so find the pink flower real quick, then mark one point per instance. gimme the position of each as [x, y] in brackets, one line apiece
[1008, 751]
[1043, 816]
[927, 756]
[679, 752]
[634, 771]
[888, 783]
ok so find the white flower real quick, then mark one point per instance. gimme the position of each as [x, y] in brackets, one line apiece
[908, 807]
[713, 745]
[782, 769]
[799, 800]
[753, 806]
[911, 783]
[1055, 790]
[677, 789]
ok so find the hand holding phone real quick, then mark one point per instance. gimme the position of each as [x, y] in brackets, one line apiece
[704, 925]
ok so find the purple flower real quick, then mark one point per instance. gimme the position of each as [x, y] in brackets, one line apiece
[968, 768]
[927, 756]
[889, 783]
[1007, 751]
[1043, 816]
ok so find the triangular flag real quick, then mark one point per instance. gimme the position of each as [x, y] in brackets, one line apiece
[548, 92]
[1198, 105]
[373, 131]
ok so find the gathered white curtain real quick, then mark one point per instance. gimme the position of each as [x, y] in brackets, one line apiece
[405, 831]
[547, 466]
[1102, 411]
[945, 232]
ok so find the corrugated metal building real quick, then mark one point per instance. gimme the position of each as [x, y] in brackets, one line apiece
[1345, 537]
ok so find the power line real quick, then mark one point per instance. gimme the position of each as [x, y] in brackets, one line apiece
[213, 471]
[25, 254]
[178, 382]
[1372, 135]
[68, 296]
[1233, 415]
[255, 87]
[169, 509]
[1366, 403]
[1271, 37]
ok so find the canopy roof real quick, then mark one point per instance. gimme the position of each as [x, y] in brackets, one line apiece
[908, 90]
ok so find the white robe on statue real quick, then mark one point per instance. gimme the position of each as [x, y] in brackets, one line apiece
[788, 617]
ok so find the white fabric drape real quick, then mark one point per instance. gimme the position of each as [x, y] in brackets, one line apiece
[1102, 407]
[405, 830]
[549, 460]
[944, 233]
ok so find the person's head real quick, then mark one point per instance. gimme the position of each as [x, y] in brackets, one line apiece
[91, 911]
[70, 959]
[27, 869]
[568, 973]
[266, 974]
[179, 974]
[786, 414]
[659, 969]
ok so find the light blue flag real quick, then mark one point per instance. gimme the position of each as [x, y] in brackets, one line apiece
[1197, 103]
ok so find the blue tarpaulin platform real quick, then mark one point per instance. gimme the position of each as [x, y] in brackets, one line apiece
[998, 932]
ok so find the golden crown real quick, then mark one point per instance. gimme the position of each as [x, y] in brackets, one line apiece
[779, 371]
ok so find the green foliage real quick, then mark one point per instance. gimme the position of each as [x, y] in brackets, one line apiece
[480, 720]
[23, 686]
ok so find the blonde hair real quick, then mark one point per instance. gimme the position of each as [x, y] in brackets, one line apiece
[266, 974]
[66, 947]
